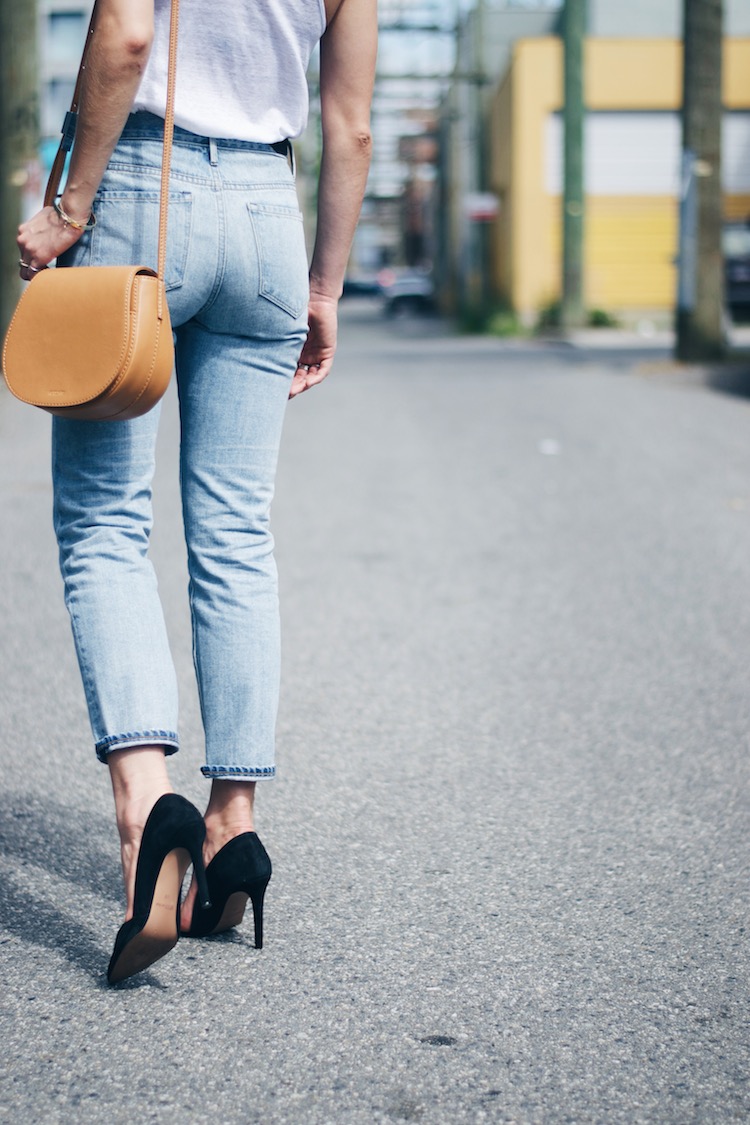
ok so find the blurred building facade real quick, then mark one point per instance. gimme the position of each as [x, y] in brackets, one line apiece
[501, 133]
[467, 171]
[62, 31]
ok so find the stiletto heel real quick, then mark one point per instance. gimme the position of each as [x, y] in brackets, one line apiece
[173, 836]
[257, 894]
[240, 871]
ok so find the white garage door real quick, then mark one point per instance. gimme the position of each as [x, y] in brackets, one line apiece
[637, 153]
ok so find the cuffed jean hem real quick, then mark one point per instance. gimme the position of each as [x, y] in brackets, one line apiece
[167, 739]
[238, 773]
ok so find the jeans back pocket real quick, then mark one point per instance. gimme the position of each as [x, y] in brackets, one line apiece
[282, 256]
[127, 231]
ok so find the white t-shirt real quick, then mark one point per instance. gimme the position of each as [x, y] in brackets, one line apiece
[241, 66]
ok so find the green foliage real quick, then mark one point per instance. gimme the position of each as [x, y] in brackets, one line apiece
[503, 322]
[550, 316]
[471, 321]
[600, 318]
[499, 321]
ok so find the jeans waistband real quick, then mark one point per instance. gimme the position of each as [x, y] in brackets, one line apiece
[148, 126]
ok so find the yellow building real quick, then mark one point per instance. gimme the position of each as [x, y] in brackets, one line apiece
[633, 90]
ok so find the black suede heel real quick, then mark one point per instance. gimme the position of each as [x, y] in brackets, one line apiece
[241, 870]
[173, 836]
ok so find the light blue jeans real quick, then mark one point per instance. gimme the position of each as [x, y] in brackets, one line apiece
[237, 290]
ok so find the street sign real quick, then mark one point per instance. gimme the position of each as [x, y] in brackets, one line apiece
[481, 206]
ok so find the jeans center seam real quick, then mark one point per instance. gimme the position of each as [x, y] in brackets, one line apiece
[221, 251]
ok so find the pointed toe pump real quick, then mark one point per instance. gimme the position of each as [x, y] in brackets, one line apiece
[240, 871]
[172, 838]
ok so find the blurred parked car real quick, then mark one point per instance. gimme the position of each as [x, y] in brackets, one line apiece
[736, 247]
[407, 291]
[361, 285]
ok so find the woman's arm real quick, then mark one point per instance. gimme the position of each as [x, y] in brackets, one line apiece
[118, 53]
[347, 74]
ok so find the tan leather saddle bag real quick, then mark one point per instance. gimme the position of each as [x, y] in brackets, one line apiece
[95, 342]
[89, 343]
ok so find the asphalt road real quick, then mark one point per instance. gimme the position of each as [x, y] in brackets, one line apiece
[510, 828]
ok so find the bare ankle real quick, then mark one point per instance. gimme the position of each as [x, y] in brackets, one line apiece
[229, 812]
[139, 777]
[231, 801]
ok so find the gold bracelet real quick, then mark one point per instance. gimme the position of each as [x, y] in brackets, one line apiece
[91, 221]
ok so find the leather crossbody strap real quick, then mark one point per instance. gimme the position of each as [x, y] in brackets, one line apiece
[69, 130]
[166, 159]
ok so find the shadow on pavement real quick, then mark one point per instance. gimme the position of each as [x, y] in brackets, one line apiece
[38, 923]
[62, 841]
[732, 380]
[62, 846]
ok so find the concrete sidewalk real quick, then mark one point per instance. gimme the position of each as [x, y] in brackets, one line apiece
[648, 335]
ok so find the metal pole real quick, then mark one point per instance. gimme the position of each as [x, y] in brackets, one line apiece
[574, 32]
[474, 294]
[687, 254]
[481, 229]
[699, 317]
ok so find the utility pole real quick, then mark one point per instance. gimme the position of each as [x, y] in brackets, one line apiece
[19, 134]
[700, 333]
[479, 233]
[574, 33]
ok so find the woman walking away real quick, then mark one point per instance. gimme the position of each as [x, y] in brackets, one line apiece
[252, 328]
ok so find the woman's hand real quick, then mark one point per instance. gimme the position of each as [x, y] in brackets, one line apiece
[316, 358]
[42, 239]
